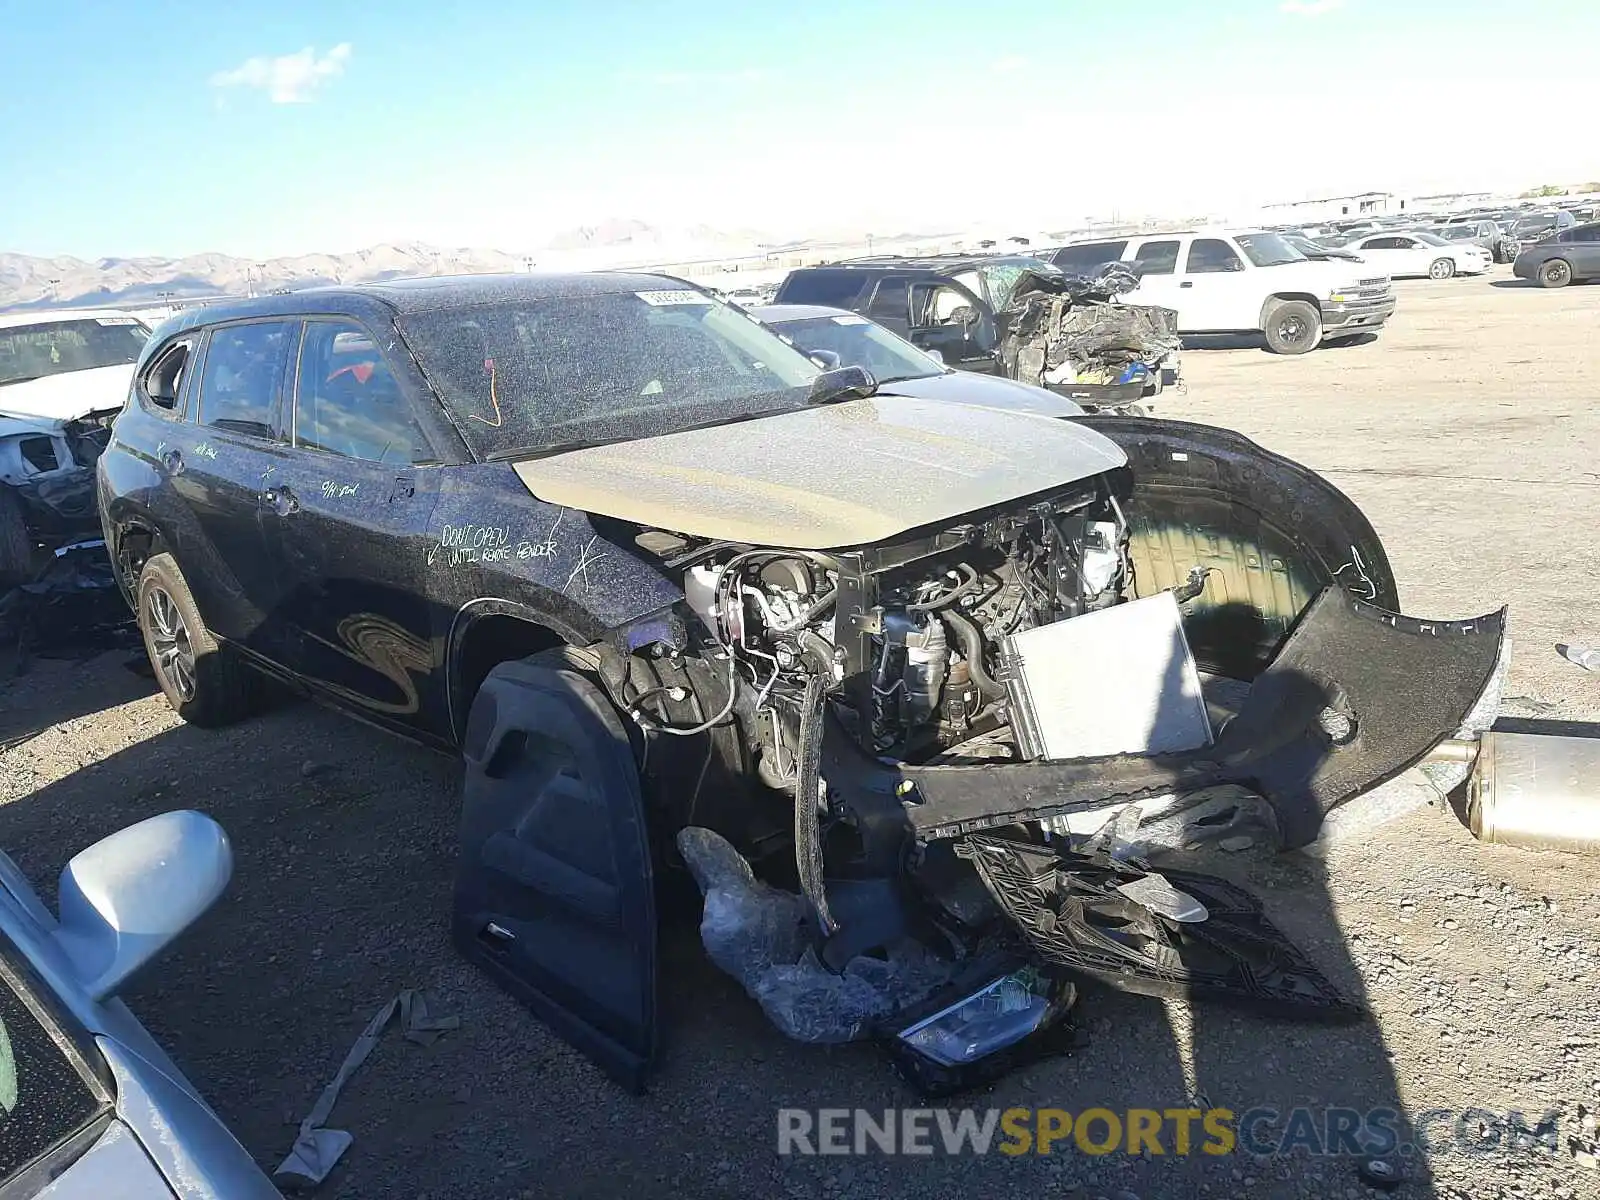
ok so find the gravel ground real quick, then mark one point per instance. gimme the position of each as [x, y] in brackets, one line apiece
[1466, 432]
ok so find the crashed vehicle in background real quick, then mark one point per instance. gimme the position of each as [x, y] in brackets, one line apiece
[913, 689]
[957, 307]
[1064, 331]
[63, 377]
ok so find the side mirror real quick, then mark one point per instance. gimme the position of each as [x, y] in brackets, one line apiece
[129, 896]
[841, 383]
[936, 356]
[966, 316]
[828, 360]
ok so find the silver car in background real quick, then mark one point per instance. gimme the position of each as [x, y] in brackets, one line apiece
[90, 1106]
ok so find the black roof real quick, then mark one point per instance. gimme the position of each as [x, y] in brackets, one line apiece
[936, 262]
[428, 294]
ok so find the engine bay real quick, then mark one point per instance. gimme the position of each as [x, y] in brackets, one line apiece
[906, 638]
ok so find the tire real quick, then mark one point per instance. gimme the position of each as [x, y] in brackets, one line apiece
[16, 547]
[203, 680]
[1442, 268]
[1293, 327]
[1556, 273]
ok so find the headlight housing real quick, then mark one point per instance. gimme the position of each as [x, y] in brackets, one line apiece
[999, 1014]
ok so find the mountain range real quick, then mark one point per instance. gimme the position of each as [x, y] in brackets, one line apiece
[28, 281]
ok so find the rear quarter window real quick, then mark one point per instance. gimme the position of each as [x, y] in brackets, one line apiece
[1089, 254]
[836, 289]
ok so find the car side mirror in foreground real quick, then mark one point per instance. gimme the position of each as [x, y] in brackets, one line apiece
[936, 356]
[129, 896]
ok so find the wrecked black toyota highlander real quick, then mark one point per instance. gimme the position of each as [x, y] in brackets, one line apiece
[916, 691]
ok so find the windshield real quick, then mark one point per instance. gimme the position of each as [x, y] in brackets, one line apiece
[1268, 249]
[1456, 233]
[1305, 246]
[857, 342]
[1429, 239]
[44, 1094]
[535, 376]
[74, 344]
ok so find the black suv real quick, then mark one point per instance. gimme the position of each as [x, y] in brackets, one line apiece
[680, 597]
[943, 303]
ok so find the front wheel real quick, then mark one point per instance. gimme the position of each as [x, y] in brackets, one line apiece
[1555, 273]
[201, 678]
[1442, 268]
[1293, 327]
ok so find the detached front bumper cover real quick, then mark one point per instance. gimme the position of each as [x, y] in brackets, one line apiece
[1356, 696]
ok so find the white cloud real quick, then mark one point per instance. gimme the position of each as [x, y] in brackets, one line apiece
[1309, 8]
[289, 78]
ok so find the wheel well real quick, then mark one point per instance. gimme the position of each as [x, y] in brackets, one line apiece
[1278, 297]
[488, 642]
[136, 545]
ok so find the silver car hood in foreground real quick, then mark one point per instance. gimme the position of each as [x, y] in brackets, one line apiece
[837, 475]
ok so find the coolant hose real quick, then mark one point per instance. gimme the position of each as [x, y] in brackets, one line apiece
[972, 646]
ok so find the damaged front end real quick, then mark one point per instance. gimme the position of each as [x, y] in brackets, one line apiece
[47, 476]
[1072, 335]
[929, 785]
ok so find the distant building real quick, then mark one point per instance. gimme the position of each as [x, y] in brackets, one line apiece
[1449, 200]
[1334, 208]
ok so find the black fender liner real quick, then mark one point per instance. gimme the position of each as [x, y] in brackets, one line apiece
[1356, 696]
[1270, 533]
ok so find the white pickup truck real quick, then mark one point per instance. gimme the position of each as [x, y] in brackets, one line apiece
[1222, 281]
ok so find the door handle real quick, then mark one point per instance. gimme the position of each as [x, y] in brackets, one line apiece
[1187, 283]
[282, 500]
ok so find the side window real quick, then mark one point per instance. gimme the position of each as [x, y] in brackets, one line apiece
[1089, 254]
[1211, 255]
[347, 400]
[889, 305]
[161, 389]
[971, 281]
[937, 304]
[1383, 243]
[1405, 243]
[243, 375]
[1157, 258]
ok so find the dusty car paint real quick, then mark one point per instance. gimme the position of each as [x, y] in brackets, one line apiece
[880, 466]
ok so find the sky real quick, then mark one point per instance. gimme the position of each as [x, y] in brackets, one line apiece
[173, 127]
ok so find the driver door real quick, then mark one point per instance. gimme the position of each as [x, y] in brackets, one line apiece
[950, 320]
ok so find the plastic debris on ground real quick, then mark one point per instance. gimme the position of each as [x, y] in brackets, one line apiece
[761, 936]
[1584, 657]
[70, 609]
[318, 1150]
[1060, 329]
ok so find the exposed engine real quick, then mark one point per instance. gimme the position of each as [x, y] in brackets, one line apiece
[905, 637]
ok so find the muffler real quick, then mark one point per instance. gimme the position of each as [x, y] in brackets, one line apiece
[1537, 791]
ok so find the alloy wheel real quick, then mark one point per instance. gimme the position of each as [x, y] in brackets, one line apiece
[170, 648]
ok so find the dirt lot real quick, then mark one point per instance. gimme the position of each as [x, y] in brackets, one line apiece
[1468, 432]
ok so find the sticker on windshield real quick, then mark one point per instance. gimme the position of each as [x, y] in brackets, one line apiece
[115, 321]
[850, 320]
[662, 299]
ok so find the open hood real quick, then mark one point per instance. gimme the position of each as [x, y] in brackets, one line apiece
[67, 396]
[841, 475]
